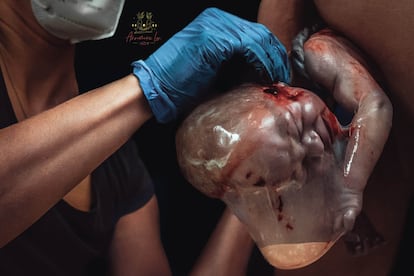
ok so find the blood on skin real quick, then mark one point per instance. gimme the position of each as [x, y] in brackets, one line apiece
[280, 215]
[289, 226]
[282, 93]
[331, 121]
[285, 95]
[280, 207]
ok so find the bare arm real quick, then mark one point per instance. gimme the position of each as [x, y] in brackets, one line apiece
[228, 250]
[44, 157]
[136, 247]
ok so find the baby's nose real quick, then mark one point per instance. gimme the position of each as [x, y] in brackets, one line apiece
[313, 143]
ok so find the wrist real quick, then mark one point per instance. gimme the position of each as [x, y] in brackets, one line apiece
[160, 104]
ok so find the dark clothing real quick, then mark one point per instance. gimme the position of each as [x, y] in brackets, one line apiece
[67, 241]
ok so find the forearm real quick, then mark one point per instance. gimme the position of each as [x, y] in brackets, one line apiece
[228, 249]
[45, 156]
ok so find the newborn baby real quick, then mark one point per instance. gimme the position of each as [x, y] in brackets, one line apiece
[275, 155]
[279, 158]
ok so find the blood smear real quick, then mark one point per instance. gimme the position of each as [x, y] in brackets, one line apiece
[295, 255]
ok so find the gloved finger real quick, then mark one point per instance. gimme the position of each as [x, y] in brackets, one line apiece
[264, 51]
[298, 52]
[235, 35]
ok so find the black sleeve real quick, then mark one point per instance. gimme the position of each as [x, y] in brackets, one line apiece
[131, 184]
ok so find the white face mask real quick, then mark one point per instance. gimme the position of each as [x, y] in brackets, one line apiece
[78, 20]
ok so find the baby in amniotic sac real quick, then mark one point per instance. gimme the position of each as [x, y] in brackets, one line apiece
[280, 159]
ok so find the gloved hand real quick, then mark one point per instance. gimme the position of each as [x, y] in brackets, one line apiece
[177, 76]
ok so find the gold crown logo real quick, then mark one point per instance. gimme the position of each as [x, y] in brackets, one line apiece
[144, 23]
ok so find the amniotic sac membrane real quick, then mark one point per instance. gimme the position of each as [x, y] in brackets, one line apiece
[275, 155]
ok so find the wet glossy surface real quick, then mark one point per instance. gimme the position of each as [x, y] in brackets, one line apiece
[282, 162]
[275, 156]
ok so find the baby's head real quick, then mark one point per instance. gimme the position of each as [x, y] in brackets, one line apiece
[274, 154]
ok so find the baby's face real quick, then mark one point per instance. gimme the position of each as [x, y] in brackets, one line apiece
[275, 156]
[284, 141]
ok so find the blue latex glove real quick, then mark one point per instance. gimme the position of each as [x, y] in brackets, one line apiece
[177, 76]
